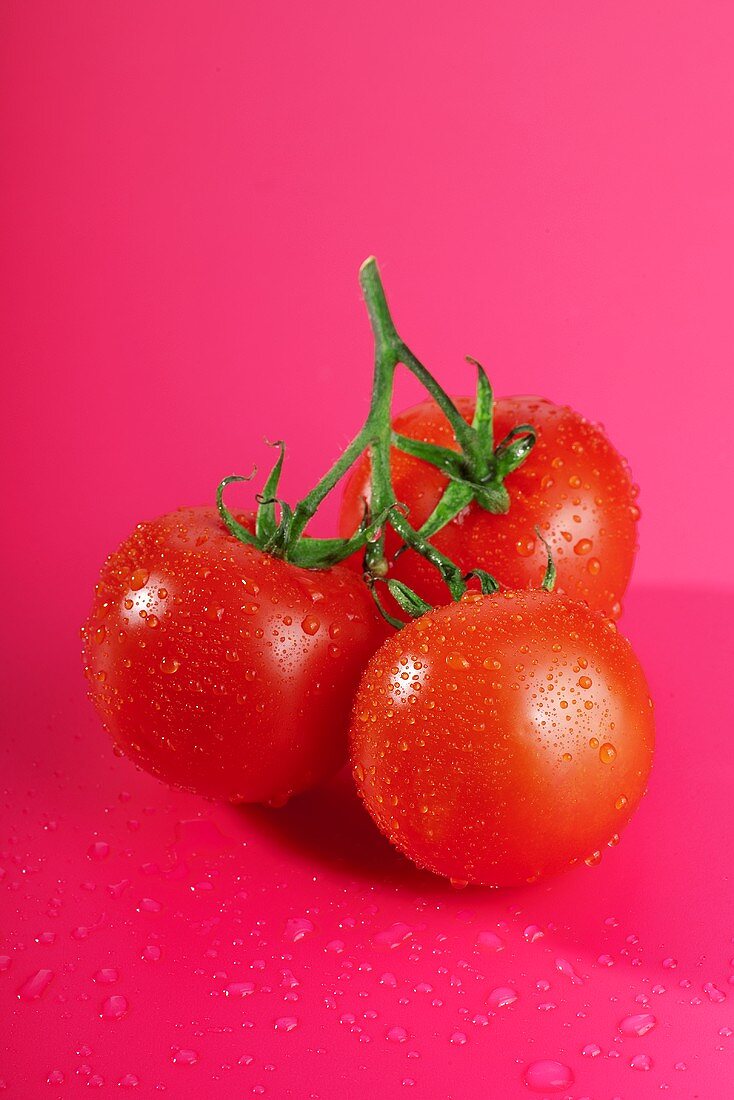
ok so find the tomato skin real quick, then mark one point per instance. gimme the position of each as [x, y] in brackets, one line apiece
[221, 669]
[504, 737]
[573, 485]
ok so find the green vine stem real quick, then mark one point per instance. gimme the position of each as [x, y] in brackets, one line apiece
[475, 470]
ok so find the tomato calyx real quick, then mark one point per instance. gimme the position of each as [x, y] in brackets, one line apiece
[476, 471]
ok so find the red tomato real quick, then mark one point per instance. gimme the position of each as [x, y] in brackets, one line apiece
[221, 669]
[503, 737]
[573, 485]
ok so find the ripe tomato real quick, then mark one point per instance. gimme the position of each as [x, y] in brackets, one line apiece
[221, 669]
[573, 485]
[503, 737]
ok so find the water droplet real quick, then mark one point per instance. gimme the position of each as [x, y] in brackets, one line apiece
[298, 927]
[185, 1057]
[501, 997]
[583, 546]
[607, 753]
[99, 850]
[310, 625]
[637, 1025]
[564, 966]
[713, 993]
[397, 1034]
[548, 1076]
[491, 941]
[458, 1038]
[286, 1023]
[114, 1008]
[457, 662]
[106, 976]
[139, 579]
[169, 665]
[533, 933]
[35, 986]
[394, 935]
[641, 1062]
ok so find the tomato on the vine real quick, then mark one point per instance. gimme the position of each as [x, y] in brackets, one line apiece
[503, 737]
[221, 669]
[573, 485]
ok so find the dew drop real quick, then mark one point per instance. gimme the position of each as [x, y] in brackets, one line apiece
[548, 1076]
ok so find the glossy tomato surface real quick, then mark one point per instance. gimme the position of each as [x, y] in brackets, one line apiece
[573, 485]
[221, 669]
[504, 737]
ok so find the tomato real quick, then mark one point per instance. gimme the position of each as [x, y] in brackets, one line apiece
[504, 737]
[573, 485]
[221, 669]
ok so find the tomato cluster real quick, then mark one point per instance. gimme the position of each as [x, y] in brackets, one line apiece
[501, 735]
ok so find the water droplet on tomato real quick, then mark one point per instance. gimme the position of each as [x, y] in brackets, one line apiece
[607, 753]
[169, 665]
[583, 546]
[310, 625]
[139, 579]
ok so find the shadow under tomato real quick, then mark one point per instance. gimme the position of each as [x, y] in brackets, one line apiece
[330, 827]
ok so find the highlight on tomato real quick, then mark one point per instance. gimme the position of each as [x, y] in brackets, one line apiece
[504, 737]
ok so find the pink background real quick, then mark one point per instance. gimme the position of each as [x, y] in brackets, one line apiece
[187, 192]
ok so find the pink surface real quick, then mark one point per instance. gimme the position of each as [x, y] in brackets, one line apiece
[187, 191]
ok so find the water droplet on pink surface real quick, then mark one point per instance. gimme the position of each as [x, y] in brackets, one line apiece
[670, 963]
[533, 933]
[149, 905]
[637, 1025]
[397, 1034]
[491, 941]
[394, 935]
[185, 1057]
[99, 850]
[458, 1038]
[129, 1081]
[5, 961]
[106, 976]
[55, 1077]
[298, 927]
[502, 996]
[35, 986]
[564, 966]
[239, 989]
[151, 953]
[114, 1008]
[713, 993]
[641, 1062]
[548, 1076]
[286, 1023]
[591, 1050]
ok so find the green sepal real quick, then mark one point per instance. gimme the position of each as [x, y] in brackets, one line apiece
[393, 620]
[483, 419]
[514, 449]
[233, 526]
[266, 522]
[487, 583]
[549, 579]
[443, 458]
[408, 600]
